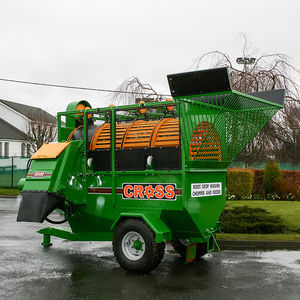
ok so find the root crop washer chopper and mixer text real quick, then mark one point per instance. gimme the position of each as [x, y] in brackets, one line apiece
[145, 174]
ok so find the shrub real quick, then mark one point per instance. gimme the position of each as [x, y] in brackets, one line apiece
[271, 174]
[258, 187]
[297, 198]
[250, 220]
[286, 188]
[240, 183]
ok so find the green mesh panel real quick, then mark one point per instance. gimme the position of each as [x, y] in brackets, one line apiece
[218, 126]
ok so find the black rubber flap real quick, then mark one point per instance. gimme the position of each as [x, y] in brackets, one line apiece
[101, 159]
[37, 205]
[131, 159]
[275, 96]
[168, 158]
[199, 82]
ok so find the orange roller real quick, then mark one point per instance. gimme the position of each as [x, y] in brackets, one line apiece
[205, 143]
[82, 107]
[139, 134]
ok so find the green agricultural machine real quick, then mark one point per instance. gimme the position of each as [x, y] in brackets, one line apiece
[147, 174]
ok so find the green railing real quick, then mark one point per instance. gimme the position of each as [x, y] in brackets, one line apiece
[12, 169]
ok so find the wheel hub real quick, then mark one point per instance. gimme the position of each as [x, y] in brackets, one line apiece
[137, 245]
[133, 245]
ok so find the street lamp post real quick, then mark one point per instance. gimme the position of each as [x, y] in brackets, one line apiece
[245, 61]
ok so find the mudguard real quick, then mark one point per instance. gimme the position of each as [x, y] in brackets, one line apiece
[37, 205]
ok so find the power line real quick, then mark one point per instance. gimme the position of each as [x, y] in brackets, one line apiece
[93, 89]
[78, 87]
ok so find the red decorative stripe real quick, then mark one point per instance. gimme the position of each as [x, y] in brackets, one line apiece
[178, 191]
[41, 176]
[100, 190]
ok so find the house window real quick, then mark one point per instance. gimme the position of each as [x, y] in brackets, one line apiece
[1, 149]
[23, 147]
[6, 149]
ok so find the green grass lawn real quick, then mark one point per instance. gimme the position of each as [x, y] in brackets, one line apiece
[289, 211]
[9, 191]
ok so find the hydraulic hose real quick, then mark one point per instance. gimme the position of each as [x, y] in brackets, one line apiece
[56, 222]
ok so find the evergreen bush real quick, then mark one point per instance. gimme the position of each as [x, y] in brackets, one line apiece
[272, 174]
[250, 220]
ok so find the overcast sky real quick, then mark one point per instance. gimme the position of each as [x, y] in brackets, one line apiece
[101, 43]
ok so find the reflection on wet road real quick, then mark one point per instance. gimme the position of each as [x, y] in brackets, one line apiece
[88, 270]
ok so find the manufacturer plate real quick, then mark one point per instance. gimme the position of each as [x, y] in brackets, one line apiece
[149, 191]
[206, 189]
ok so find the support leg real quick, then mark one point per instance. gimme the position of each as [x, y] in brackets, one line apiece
[47, 240]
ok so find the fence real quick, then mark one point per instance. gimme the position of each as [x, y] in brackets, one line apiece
[12, 169]
[261, 165]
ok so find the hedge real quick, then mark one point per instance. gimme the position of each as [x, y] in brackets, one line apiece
[240, 182]
[258, 188]
[289, 183]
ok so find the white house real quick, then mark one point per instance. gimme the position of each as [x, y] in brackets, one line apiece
[14, 119]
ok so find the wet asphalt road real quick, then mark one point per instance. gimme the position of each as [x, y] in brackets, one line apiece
[88, 270]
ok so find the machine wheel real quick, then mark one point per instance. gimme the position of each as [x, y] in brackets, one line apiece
[181, 245]
[135, 248]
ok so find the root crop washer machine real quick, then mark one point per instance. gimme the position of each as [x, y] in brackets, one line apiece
[145, 174]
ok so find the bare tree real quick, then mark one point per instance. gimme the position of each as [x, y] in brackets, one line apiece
[132, 89]
[41, 128]
[286, 134]
[268, 71]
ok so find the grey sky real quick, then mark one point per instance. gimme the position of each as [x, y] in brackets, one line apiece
[101, 43]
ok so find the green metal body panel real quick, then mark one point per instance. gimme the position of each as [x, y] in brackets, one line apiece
[94, 199]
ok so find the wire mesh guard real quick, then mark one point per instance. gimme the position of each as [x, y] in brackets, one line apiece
[218, 126]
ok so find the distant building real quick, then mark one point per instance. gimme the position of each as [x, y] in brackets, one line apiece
[14, 120]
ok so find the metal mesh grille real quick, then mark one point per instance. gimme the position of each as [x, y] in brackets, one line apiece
[218, 127]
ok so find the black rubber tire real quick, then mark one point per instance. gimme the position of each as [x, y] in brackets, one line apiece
[180, 248]
[154, 252]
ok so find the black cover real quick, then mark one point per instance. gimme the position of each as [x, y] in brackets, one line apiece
[199, 82]
[131, 159]
[167, 158]
[101, 159]
[275, 96]
[37, 205]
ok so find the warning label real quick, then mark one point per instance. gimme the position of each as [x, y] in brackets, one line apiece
[206, 189]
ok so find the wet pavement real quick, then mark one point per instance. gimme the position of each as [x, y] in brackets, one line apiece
[88, 270]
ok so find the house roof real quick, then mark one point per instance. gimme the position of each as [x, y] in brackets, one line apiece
[10, 132]
[30, 112]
